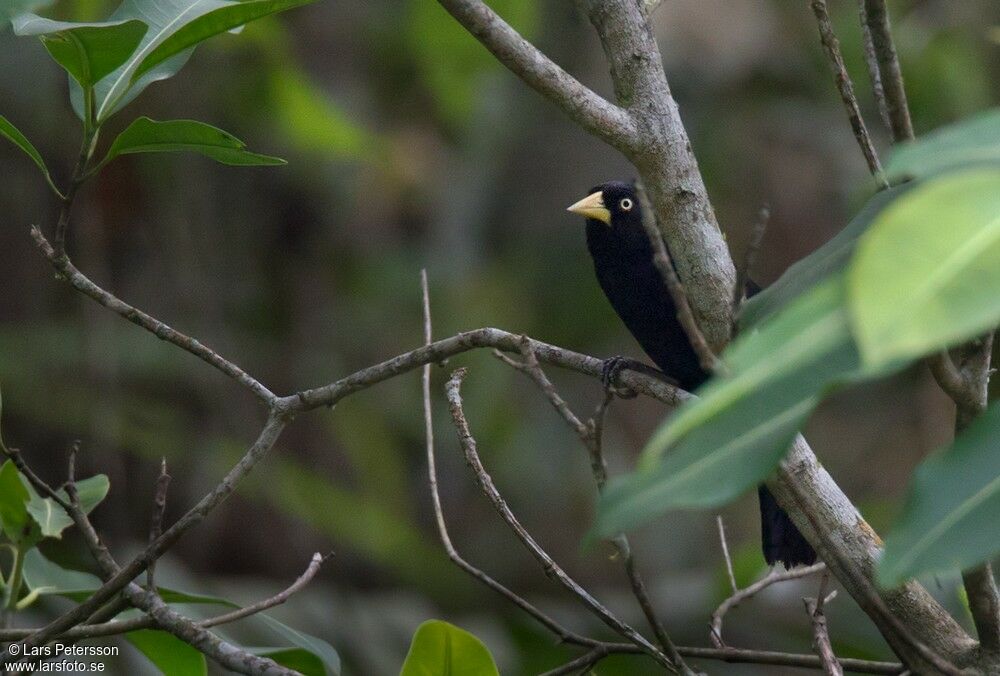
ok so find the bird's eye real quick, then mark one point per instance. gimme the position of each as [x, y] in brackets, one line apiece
[626, 204]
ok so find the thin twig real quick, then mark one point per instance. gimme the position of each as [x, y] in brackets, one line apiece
[846, 89]
[725, 553]
[117, 582]
[821, 632]
[156, 519]
[552, 625]
[661, 257]
[590, 434]
[551, 568]
[871, 63]
[749, 258]
[84, 285]
[877, 20]
[774, 576]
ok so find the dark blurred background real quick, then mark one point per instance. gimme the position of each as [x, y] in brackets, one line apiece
[409, 147]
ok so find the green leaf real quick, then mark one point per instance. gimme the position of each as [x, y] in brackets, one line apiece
[296, 659]
[149, 136]
[927, 273]
[951, 515]
[975, 141]
[830, 258]
[88, 51]
[440, 648]
[175, 28]
[13, 504]
[733, 435]
[172, 656]
[323, 651]
[52, 579]
[51, 517]
[9, 131]
[11, 8]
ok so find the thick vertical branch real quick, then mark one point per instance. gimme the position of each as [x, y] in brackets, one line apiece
[667, 165]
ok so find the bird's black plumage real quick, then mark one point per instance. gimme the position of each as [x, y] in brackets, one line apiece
[623, 263]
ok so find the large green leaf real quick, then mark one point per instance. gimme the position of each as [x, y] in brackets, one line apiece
[9, 131]
[175, 28]
[741, 425]
[51, 517]
[951, 516]
[17, 523]
[88, 51]
[970, 142]
[820, 264]
[172, 656]
[927, 273]
[149, 136]
[440, 648]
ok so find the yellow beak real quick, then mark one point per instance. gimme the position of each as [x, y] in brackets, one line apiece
[592, 206]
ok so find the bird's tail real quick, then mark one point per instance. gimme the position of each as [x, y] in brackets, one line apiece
[780, 539]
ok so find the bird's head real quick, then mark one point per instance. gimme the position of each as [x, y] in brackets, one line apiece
[614, 218]
[613, 204]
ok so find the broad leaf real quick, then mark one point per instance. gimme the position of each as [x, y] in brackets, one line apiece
[172, 656]
[9, 131]
[11, 8]
[951, 515]
[88, 51]
[741, 425]
[50, 578]
[927, 273]
[441, 648]
[51, 517]
[175, 28]
[314, 646]
[970, 142]
[820, 264]
[149, 136]
[17, 523]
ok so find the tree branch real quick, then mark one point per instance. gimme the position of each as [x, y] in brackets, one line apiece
[846, 89]
[877, 19]
[551, 568]
[81, 283]
[588, 109]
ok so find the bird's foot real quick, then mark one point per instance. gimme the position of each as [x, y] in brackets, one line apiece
[611, 370]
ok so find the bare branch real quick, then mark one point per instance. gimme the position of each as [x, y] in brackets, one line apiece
[846, 89]
[276, 600]
[877, 20]
[871, 63]
[441, 350]
[774, 576]
[551, 568]
[821, 633]
[117, 582]
[156, 520]
[590, 437]
[81, 283]
[661, 257]
[725, 554]
[588, 109]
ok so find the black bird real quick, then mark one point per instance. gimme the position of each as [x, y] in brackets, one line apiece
[623, 262]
